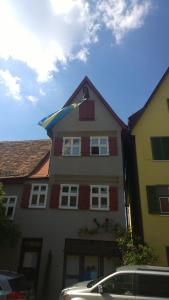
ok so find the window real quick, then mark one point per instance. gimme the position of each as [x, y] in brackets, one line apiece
[158, 199]
[10, 204]
[69, 196]
[160, 148]
[99, 197]
[38, 195]
[120, 285]
[71, 146]
[99, 146]
[164, 205]
[153, 285]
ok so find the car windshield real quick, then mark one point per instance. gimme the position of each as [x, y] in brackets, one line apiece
[93, 282]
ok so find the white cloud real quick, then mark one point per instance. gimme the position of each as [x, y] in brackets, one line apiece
[41, 36]
[32, 99]
[122, 16]
[82, 54]
[11, 83]
[48, 34]
[41, 92]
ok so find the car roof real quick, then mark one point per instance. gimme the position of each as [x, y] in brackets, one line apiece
[8, 274]
[143, 268]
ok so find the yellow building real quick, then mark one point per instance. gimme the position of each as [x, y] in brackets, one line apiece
[148, 170]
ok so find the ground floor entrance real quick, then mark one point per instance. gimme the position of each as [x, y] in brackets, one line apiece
[88, 259]
[30, 259]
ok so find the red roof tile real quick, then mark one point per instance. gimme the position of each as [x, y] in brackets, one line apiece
[21, 158]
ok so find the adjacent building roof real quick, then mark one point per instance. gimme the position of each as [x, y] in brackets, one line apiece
[24, 158]
[133, 119]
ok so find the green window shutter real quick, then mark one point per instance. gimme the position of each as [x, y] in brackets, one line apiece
[156, 148]
[153, 201]
[168, 102]
[167, 252]
[165, 147]
[160, 148]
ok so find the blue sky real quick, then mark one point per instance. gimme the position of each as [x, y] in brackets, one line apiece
[47, 47]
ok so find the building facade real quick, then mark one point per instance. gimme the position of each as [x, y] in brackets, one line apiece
[68, 215]
[148, 170]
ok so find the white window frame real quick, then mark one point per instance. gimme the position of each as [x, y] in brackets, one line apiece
[8, 204]
[99, 195]
[38, 193]
[71, 138]
[99, 145]
[68, 194]
[163, 212]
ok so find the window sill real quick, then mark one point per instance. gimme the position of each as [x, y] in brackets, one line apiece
[37, 207]
[99, 209]
[99, 155]
[68, 208]
[164, 214]
[160, 160]
[71, 155]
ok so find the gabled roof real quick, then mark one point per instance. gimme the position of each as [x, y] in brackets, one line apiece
[133, 119]
[22, 158]
[86, 80]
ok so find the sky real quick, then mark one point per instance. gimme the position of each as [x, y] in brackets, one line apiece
[47, 47]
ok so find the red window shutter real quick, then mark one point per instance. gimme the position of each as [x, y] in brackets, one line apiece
[84, 197]
[113, 198]
[25, 196]
[113, 146]
[87, 111]
[54, 197]
[58, 143]
[85, 145]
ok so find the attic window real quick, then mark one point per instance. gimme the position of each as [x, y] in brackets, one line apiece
[87, 111]
[85, 92]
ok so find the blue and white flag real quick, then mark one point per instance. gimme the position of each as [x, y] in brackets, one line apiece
[55, 117]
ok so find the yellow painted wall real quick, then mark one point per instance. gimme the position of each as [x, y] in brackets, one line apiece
[153, 122]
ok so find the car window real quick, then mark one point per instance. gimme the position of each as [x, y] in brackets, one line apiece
[152, 285]
[93, 282]
[19, 284]
[121, 284]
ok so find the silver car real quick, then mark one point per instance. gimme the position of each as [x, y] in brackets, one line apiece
[130, 282]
